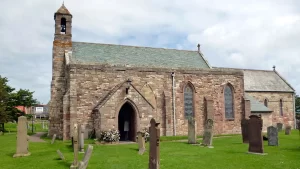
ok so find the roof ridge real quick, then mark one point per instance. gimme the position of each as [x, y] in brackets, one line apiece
[135, 46]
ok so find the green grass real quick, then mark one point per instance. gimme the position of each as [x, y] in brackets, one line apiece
[228, 153]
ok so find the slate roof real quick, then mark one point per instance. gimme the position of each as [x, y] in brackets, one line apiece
[264, 81]
[257, 106]
[133, 56]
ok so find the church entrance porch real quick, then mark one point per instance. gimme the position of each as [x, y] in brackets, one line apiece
[127, 123]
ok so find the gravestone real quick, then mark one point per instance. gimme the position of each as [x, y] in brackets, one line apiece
[208, 133]
[61, 156]
[43, 125]
[75, 147]
[81, 138]
[154, 130]
[254, 134]
[1, 133]
[84, 163]
[192, 138]
[244, 125]
[141, 142]
[53, 138]
[22, 138]
[272, 136]
[279, 126]
[288, 130]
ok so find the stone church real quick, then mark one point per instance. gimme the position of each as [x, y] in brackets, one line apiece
[104, 86]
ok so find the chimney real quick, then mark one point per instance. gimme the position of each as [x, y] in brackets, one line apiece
[198, 47]
[274, 68]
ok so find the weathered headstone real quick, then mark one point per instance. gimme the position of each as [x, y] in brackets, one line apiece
[75, 147]
[62, 157]
[279, 126]
[208, 133]
[288, 130]
[254, 134]
[53, 138]
[43, 125]
[192, 137]
[84, 163]
[1, 133]
[22, 138]
[272, 136]
[141, 142]
[81, 138]
[154, 130]
[244, 125]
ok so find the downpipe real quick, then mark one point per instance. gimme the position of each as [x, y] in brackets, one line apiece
[173, 101]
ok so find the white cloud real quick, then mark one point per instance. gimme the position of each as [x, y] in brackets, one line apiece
[233, 33]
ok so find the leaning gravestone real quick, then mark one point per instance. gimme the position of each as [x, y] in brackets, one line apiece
[272, 136]
[75, 147]
[154, 130]
[81, 131]
[84, 163]
[288, 130]
[192, 138]
[208, 133]
[279, 126]
[255, 135]
[53, 138]
[62, 157]
[244, 125]
[141, 141]
[22, 138]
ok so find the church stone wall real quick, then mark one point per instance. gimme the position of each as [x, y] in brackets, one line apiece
[274, 104]
[95, 82]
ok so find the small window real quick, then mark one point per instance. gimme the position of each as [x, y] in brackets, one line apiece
[281, 107]
[228, 96]
[266, 102]
[63, 24]
[188, 101]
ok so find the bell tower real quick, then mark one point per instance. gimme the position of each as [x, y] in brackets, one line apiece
[61, 44]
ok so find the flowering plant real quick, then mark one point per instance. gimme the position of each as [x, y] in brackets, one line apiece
[110, 136]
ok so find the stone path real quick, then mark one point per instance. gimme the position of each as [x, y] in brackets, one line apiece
[37, 137]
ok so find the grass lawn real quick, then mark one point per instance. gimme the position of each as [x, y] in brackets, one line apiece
[228, 153]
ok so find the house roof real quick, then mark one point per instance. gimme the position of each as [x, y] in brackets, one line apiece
[257, 106]
[133, 56]
[265, 81]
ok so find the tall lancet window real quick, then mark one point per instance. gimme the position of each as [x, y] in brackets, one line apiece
[63, 24]
[188, 101]
[281, 107]
[228, 98]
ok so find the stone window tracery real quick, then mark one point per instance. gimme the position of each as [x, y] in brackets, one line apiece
[188, 101]
[228, 96]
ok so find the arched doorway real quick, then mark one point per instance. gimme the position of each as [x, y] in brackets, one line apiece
[127, 123]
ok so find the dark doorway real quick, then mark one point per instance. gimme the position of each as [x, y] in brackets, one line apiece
[127, 115]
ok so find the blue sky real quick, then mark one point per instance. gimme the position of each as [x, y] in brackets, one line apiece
[254, 34]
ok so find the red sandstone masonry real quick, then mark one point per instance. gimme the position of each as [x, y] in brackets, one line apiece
[94, 81]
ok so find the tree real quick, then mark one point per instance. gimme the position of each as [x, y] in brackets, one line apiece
[9, 99]
[297, 106]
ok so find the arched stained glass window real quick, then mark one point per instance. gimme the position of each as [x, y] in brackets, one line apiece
[188, 102]
[281, 107]
[228, 95]
[266, 102]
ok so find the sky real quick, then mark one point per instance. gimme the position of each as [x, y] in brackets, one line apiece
[250, 34]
